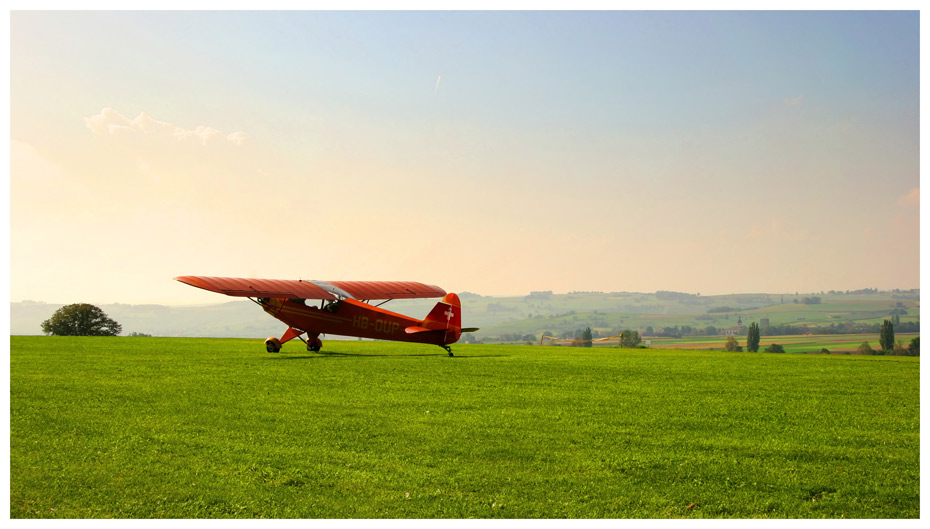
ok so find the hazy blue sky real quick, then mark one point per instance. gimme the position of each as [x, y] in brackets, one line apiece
[493, 152]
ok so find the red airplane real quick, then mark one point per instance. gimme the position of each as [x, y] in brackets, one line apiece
[341, 311]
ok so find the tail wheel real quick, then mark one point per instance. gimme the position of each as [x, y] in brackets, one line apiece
[273, 345]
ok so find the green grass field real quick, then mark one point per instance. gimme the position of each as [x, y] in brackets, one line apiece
[178, 428]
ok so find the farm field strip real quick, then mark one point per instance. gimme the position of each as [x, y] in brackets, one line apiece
[797, 343]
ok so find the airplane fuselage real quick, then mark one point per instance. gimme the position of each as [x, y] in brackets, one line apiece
[349, 317]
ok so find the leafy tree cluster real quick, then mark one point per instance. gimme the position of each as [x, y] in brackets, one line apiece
[886, 336]
[516, 337]
[557, 316]
[889, 346]
[587, 338]
[901, 296]
[538, 295]
[753, 337]
[774, 348]
[630, 338]
[80, 319]
[868, 291]
[733, 345]
[906, 326]
[898, 348]
[813, 300]
[676, 331]
[668, 295]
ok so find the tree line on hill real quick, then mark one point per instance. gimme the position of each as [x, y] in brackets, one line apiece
[886, 341]
[838, 328]
[676, 331]
[578, 338]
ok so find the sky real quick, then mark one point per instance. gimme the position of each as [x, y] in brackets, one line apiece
[710, 152]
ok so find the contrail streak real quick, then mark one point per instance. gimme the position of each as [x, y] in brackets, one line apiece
[438, 78]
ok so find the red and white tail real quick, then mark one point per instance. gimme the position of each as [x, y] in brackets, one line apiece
[447, 314]
[444, 320]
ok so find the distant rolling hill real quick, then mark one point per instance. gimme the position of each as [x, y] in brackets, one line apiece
[526, 315]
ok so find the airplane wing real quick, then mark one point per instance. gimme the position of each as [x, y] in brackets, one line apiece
[387, 289]
[300, 289]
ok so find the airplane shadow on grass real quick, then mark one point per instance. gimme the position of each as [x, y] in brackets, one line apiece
[325, 354]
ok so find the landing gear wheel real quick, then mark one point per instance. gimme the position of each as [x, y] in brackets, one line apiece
[313, 348]
[448, 349]
[273, 345]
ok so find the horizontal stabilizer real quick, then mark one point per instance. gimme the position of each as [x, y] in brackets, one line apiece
[413, 329]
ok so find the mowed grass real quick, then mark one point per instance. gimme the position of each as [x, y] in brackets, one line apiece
[178, 428]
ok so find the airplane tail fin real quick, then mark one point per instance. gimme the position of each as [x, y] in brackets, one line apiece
[445, 321]
[447, 314]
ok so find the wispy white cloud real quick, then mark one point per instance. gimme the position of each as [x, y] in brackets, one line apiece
[110, 122]
[201, 134]
[237, 137]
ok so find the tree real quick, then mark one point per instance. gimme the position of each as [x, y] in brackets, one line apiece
[587, 338]
[80, 319]
[752, 339]
[629, 338]
[774, 348]
[732, 345]
[865, 349]
[886, 338]
[914, 347]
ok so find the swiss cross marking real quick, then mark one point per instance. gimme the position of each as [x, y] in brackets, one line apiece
[449, 313]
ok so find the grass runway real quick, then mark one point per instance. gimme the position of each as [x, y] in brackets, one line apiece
[217, 428]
